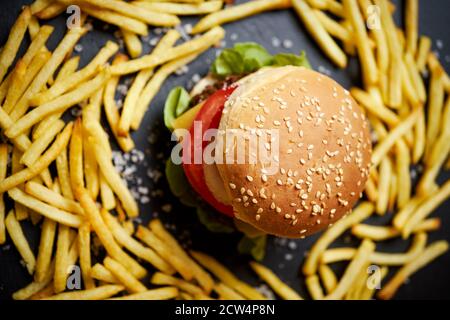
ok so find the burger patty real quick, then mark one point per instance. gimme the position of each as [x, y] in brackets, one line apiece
[212, 88]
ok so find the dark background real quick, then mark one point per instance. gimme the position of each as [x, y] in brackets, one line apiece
[278, 32]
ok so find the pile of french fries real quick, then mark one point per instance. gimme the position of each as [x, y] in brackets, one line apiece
[60, 174]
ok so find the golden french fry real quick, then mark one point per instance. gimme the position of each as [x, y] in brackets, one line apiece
[60, 104]
[99, 272]
[3, 169]
[238, 12]
[402, 163]
[45, 249]
[163, 279]
[124, 239]
[333, 27]
[99, 293]
[328, 278]
[91, 171]
[429, 254]
[422, 52]
[378, 109]
[282, 289]
[44, 74]
[106, 194]
[62, 167]
[42, 163]
[426, 208]
[15, 37]
[39, 5]
[52, 11]
[61, 259]
[360, 213]
[361, 258]
[416, 79]
[383, 147]
[68, 68]
[222, 273]
[98, 225]
[154, 294]
[20, 242]
[35, 286]
[53, 198]
[140, 13]
[132, 284]
[318, 32]
[181, 8]
[84, 238]
[369, 67]
[314, 287]
[411, 25]
[76, 157]
[227, 293]
[77, 78]
[202, 277]
[132, 43]
[150, 239]
[201, 43]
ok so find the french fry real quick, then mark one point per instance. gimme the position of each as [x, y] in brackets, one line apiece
[20, 242]
[132, 43]
[402, 163]
[314, 288]
[201, 43]
[124, 239]
[422, 52]
[114, 180]
[61, 259]
[106, 194]
[150, 239]
[411, 25]
[165, 293]
[435, 106]
[202, 277]
[53, 198]
[318, 32]
[68, 68]
[381, 233]
[152, 87]
[3, 169]
[99, 272]
[426, 208]
[76, 157]
[328, 278]
[282, 289]
[105, 235]
[222, 273]
[35, 286]
[333, 27]
[363, 211]
[429, 254]
[238, 12]
[369, 67]
[416, 79]
[62, 167]
[383, 147]
[99, 293]
[60, 104]
[44, 256]
[182, 8]
[20, 211]
[39, 5]
[78, 77]
[90, 166]
[163, 279]
[50, 12]
[132, 284]
[140, 13]
[30, 72]
[42, 163]
[420, 137]
[15, 37]
[362, 256]
[84, 243]
[368, 102]
[227, 293]
[44, 74]
[112, 114]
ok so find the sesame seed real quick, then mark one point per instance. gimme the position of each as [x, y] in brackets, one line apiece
[250, 178]
[232, 186]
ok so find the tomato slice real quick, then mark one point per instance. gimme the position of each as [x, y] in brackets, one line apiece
[209, 115]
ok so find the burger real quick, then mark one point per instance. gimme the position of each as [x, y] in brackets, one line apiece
[315, 136]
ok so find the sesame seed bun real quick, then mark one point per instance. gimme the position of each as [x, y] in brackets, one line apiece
[324, 151]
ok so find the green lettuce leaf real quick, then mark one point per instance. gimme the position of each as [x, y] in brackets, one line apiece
[247, 57]
[177, 102]
[285, 59]
[256, 247]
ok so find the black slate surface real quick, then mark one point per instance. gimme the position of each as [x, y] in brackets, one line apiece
[283, 256]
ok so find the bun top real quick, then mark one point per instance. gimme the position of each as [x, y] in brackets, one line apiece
[320, 167]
